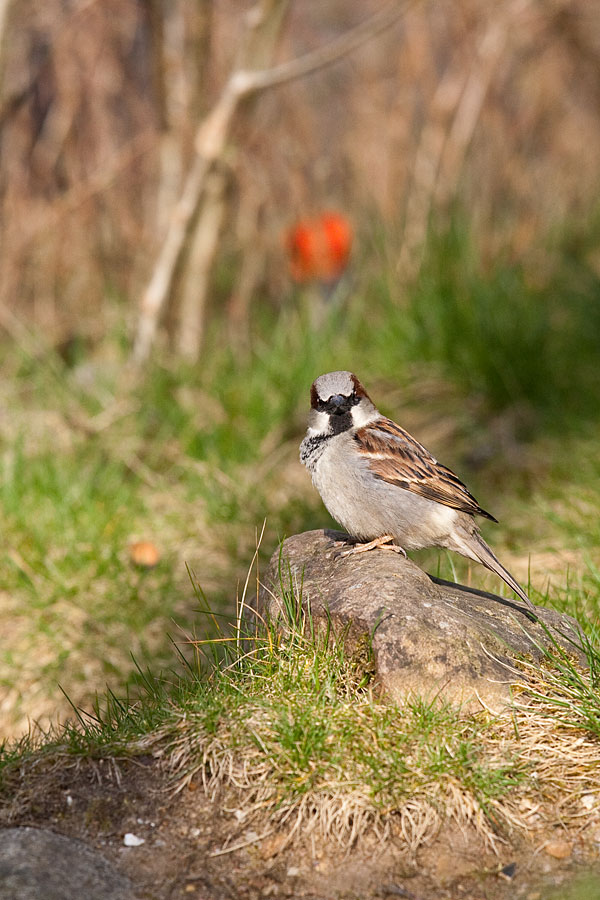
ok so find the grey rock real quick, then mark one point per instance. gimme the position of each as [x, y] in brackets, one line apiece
[36, 864]
[429, 637]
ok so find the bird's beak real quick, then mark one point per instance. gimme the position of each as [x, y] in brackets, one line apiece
[338, 404]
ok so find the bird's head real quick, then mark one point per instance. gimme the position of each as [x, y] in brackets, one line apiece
[339, 402]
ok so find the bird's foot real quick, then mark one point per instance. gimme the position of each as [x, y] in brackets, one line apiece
[385, 542]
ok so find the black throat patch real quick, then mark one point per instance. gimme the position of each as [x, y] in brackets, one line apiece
[340, 423]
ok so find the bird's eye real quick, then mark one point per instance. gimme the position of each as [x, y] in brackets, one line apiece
[321, 404]
[354, 399]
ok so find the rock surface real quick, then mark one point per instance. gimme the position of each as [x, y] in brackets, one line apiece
[36, 864]
[429, 636]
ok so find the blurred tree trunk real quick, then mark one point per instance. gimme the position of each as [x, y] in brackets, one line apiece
[4, 10]
[199, 262]
[163, 31]
[178, 94]
[256, 53]
[250, 239]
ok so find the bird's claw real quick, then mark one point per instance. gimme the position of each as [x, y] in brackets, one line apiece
[385, 542]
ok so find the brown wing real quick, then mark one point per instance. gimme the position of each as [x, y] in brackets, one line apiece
[396, 457]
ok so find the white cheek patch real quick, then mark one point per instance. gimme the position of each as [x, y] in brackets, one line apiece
[319, 423]
[362, 416]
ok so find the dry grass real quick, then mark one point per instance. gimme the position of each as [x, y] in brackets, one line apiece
[536, 775]
[560, 790]
[554, 796]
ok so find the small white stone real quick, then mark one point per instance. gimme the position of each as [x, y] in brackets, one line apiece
[69, 800]
[293, 872]
[588, 801]
[132, 840]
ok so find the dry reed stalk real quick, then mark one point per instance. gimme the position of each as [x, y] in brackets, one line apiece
[490, 51]
[453, 116]
[203, 248]
[4, 10]
[252, 267]
[426, 166]
[168, 40]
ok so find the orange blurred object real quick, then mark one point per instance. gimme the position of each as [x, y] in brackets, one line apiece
[319, 248]
[144, 554]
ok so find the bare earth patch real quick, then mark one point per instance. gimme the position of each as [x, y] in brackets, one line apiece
[207, 844]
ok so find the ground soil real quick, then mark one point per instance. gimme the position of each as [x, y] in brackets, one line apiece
[99, 801]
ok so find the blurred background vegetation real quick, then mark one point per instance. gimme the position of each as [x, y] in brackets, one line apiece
[141, 195]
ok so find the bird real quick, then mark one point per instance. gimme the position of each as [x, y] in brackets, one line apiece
[384, 487]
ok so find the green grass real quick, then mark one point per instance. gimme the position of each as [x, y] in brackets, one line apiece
[65, 572]
[309, 712]
[571, 692]
[194, 458]
[296, 706]
[285, 718]
[516, 333]
[585, 887]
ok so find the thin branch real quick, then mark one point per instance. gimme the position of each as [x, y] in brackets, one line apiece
[324, 56]
[210, 143]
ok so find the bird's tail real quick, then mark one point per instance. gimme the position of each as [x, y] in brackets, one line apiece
[480, 551]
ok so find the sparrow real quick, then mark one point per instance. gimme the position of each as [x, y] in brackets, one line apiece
[382, 486]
